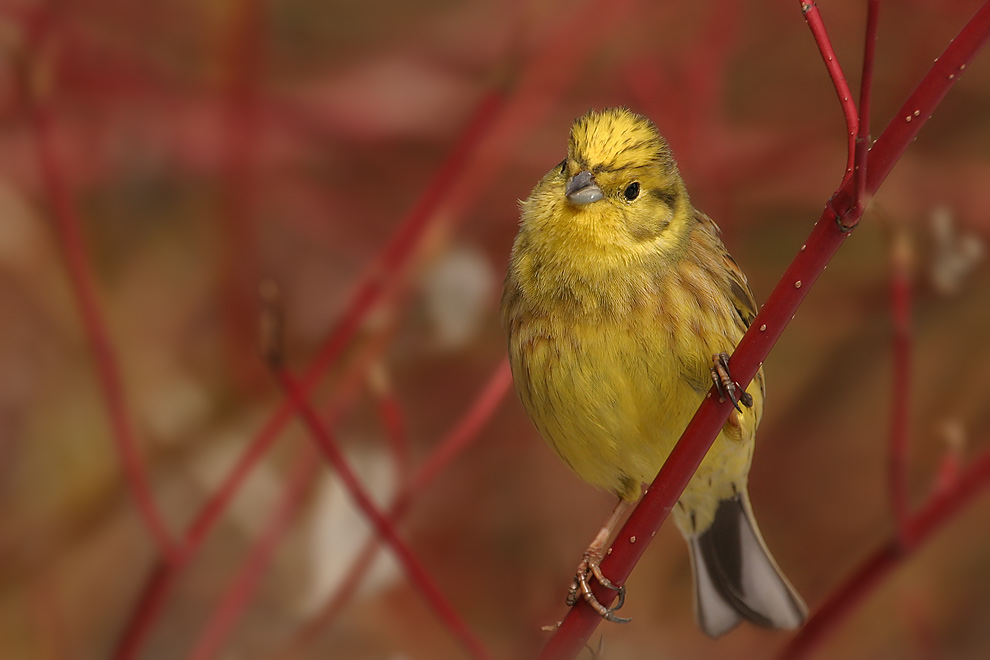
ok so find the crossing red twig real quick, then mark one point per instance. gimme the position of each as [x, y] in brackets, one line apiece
[69, 230]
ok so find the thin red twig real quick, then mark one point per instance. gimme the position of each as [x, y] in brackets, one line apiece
[544, 78]
[940, 509]
[415, 571]
[926, 96]
[828, 234]
[900, 302]
[393, 421]
[865, 93]
[465, 430]
[849, 112]
[240, 130]
[158, 585]
[368, 294]
[952, 461]
[404, 242]
[237, 596]
[70, 236]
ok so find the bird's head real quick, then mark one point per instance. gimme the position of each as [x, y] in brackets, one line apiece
[619, 165]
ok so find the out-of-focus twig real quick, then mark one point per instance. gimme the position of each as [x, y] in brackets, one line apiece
[158, 584]
[393, 420]
[900, 302]
[37, 100]
[453, 443]
[941, 508]
[327, 445]
[368, 294]
[237, 596]
[385, 529]
[240, 132]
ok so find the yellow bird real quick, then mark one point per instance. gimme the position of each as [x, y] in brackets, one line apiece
[621, 304]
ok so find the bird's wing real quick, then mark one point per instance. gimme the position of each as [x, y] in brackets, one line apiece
[740, 294]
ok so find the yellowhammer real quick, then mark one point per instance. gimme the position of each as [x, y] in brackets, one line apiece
[621, 304]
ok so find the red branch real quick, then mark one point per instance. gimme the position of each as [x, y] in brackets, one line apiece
[900, 303]
[69, 232]
[415, 571]
[465, 430]
[238, 594]
[814, 19]
[941, 508]
[368, 294]
[393, 421]
[455, 441]
[240, 130]
[159, 582]
[865, 92]
[831, 230]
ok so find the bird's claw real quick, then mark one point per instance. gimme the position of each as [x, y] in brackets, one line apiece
[728, 388]
[580, 588]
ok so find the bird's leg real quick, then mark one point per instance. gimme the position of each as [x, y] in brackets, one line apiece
[591, 566]
[728, 388]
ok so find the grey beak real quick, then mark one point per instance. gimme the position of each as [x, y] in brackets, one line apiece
[582, 189]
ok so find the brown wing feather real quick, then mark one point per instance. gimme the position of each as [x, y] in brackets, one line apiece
[740, 294]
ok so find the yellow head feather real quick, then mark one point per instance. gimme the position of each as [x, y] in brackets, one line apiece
[617, 139]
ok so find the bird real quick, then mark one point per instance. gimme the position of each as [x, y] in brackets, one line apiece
[621, 306]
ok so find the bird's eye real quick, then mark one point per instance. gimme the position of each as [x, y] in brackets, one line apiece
[632, 191]
[563, 167]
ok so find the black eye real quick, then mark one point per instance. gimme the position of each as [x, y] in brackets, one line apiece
[632, 191]
[563, 167]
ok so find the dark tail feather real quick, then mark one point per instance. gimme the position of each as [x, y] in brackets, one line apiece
[736, 578]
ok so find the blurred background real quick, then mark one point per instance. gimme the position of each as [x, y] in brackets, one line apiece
[166, 158]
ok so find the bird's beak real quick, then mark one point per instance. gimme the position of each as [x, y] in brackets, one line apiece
[581, 189]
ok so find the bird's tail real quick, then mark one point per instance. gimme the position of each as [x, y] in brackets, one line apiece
[735, 577]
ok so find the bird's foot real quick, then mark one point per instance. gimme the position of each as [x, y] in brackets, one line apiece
[728, 388]
[580, 588]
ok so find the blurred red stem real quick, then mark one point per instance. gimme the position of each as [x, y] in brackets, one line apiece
[941, 507]
[395, 426]
[158, 585]
[465, 430]
[69, 232]
[456, 441]
[237, 596]
[403, 243]
[828, 234]
[814, 19]
[156, 588]
[865, 93]
[415, 571]
[369, 293]
[239, 130]
[900, 299]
